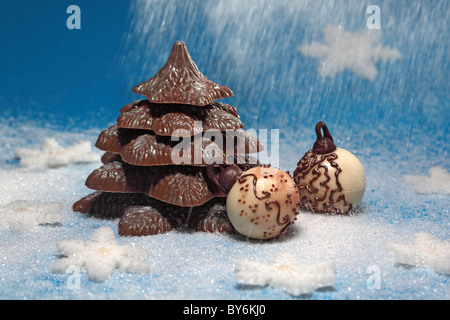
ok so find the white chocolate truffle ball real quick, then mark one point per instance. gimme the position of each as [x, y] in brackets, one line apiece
[263, 203]
[333, 182]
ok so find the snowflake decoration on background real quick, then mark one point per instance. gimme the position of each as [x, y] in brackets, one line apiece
[426, 250]
[437, 182]
[284, 273]
[21, 216]
[53, 155]
[101, 256]
[349, 51]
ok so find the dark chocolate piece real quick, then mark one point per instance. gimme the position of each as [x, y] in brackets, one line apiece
[142, 215]
[211, 218]
[100, 203]
[215, 222]
[114, 138]
[184, 186]
[108, 157]
[144, 148]
[110, 205]
[178, 120]
[324, 144]
[225, 179]
[180, 81]
[143, 221]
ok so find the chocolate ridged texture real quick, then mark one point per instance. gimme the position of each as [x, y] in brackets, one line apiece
[244, 162]
[143, 221]
[108, 157]
[182, 186]
[214, 222]
[147, 149]
[178, 120]
[110, 205]
[142, 215]
[144, 148]
[180, 81]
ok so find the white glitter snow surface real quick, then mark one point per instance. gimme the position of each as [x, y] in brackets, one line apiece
[190, 265]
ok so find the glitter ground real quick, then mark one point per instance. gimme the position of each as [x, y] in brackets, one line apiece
[190, 265]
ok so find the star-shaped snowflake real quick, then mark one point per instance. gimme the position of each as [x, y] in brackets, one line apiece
[349, 51]
[21, 216]
[438, 181]
[284, 273]
[101, 256]
[426, 250]
[53, 155]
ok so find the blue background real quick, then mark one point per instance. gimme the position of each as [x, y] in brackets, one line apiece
[81, 78]
[60, 75]
[53, 73]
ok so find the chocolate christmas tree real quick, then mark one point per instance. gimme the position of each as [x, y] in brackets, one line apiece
[165, 155]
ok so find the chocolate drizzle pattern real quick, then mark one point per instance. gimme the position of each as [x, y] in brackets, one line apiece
[243, 179]
[285, 221]
[312, 163]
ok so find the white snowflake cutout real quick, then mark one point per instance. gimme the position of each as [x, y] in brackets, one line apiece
[438, 181]
[425, 251]
[349, 51]
[101, 256]
[286, 274]
[53, 155]
[21, 216]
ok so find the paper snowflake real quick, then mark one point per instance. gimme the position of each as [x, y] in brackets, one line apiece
[349, 51]
[426, 250]
[284, 273]
[53, 155]
[438, 181]
[22, 216]
[101, 256]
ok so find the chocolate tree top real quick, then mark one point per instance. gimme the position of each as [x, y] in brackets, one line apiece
[179, 81]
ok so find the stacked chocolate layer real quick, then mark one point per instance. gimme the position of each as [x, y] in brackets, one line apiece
[155, 173]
